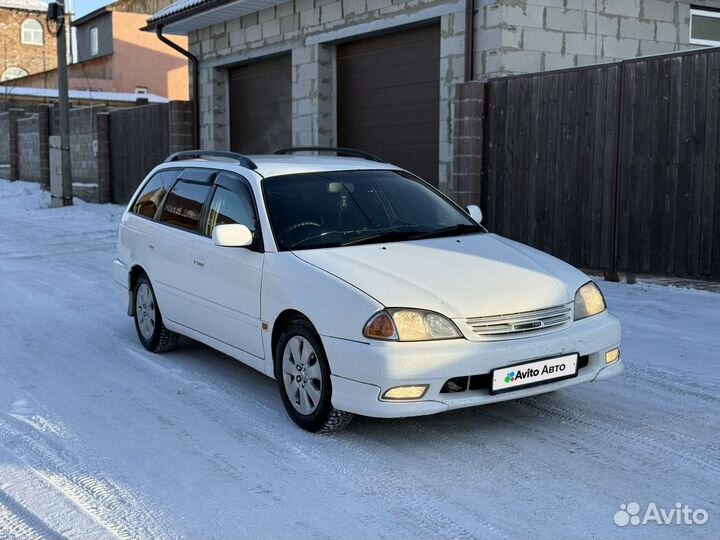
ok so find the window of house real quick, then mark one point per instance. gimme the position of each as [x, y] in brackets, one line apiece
[13, 73]
[141, 89]
[704, 27]
[94, 41]
[32, 32]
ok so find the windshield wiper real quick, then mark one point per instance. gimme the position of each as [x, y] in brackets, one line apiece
[455, 230]
[385, 236]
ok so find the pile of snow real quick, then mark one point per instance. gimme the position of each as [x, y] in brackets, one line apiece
[22, 196]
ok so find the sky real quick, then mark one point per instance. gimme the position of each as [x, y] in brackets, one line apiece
[83, 7]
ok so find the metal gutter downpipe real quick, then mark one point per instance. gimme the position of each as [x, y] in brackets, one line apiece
[469, 40]
[196, 83]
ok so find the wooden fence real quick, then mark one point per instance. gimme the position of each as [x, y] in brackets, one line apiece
[612, 167]
[140, 140]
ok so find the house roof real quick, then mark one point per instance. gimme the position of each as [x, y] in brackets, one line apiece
[184, 16]
[92, 15]
[27, 5]
[84, 95]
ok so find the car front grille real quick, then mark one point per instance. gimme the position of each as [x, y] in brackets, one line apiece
[516, 324]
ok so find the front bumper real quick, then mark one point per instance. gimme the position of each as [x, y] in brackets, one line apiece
[362, 372]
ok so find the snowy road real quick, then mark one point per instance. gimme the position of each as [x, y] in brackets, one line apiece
[100, 439]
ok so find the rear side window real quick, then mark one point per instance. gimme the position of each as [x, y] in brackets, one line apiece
[153, 193]
[232, 203]
[184, 205]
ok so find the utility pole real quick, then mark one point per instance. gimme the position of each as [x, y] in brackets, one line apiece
[56, 14]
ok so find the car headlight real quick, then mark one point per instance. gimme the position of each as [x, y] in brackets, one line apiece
[410, 325]
[589, 301]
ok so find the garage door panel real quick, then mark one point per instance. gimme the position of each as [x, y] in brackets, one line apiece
[399, 136]
[381, 73]
[408, 38]
[405, 118]
[357, 87]
[419, 95]
[389, 95]
[261, 105]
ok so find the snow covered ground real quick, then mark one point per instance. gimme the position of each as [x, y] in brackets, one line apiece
[101, 439]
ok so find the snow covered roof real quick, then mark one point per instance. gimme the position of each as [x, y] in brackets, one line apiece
[177, 7]
[86, 95]
[27, 5]
[185, 16]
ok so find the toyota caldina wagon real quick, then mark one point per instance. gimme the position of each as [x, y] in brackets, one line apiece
[357, 286]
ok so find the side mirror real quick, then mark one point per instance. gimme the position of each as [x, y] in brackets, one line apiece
[232, 235]
[475, 212]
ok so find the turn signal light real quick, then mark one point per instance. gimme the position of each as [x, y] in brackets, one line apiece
[406, 392]
[612, 356]
[381, 327]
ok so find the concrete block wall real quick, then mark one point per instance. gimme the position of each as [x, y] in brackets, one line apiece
[308, 29]
[313, 69]
[4, 139]
[525, 36]
[83, 144]
[29, 160]
[467, 165]
[14, 115]
[180, 118]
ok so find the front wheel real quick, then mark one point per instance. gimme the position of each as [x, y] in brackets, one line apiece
[303, 376]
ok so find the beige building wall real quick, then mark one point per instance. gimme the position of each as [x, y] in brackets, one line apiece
[140, 59]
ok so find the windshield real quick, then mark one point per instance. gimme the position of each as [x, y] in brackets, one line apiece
[342, 208]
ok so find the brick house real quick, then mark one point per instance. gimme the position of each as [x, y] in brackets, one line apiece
[380, 75]
[114, 55]
[26, 46]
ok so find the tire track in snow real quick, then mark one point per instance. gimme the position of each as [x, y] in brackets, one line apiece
[374, 476]
[113, 507]
[674, 383]
[621, 431]
[16, 522]
[355, 465]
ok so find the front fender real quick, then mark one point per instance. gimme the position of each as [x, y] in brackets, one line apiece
[335, 308]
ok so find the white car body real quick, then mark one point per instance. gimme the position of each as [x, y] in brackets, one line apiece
[231, 300]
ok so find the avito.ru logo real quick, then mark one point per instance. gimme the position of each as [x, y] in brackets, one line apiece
[680, 514]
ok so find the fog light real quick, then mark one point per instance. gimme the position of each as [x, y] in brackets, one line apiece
[612, 356]
[406, 392]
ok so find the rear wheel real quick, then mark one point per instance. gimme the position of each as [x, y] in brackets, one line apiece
[303, 376]
[148, 319]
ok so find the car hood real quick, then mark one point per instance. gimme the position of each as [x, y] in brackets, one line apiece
[467, 276]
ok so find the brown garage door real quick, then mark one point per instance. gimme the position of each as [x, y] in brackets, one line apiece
[389, 98]
[261, 106]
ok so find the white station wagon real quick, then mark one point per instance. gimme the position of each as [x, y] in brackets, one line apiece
[357, 286]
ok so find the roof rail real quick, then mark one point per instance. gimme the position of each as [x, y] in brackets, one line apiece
[244, 161]
[347, 152]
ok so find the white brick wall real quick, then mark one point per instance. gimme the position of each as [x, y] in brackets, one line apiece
[517, 36]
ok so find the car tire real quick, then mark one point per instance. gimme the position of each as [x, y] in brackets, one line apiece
[303, 375]
[149, 325]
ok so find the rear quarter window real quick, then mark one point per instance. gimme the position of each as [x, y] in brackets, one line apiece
[154, 192]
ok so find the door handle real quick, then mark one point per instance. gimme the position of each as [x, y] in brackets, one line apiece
[151, 246]
[198, 263]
